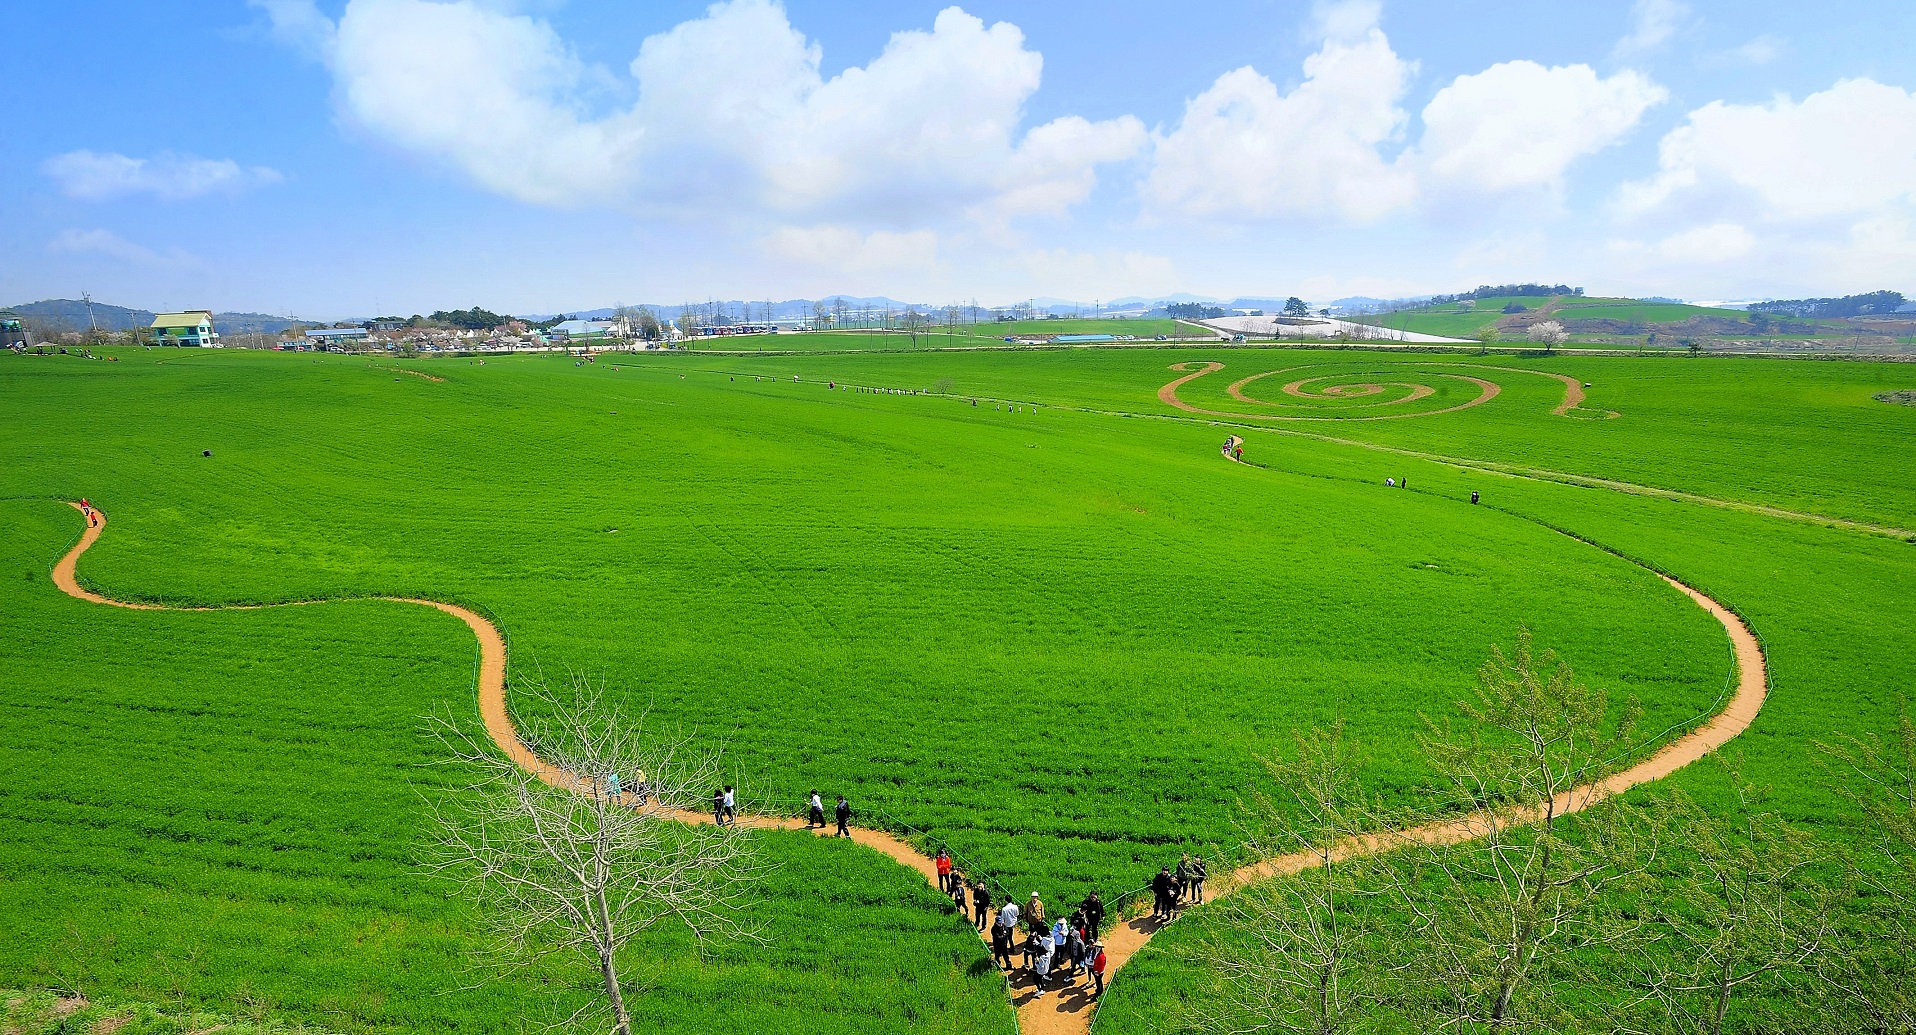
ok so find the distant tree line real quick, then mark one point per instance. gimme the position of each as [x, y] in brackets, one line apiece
[1193, 311]
[1834, 308]
[1508, 291]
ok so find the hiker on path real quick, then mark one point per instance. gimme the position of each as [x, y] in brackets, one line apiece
[731, 805]
[612, 788]
[718, 806]
[981, 903]
[1097, 968]
[959, 893]
[844, 813]
[639, 787]
[1161, 891]
[1183, 874]
[1390, 483]
[1001, 930]
[86, 510]
[1074, 948]
[943, 864]
[1041, 965]
[816, 818]
[1034, 913]
[1197, 876]
[1093, 915]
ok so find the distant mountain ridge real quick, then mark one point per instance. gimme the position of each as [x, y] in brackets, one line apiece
[68, 314]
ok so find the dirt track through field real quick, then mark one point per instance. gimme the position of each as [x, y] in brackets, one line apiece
[1066, 1011]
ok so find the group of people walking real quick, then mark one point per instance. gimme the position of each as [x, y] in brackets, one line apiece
[1172, 890]
[815, 814]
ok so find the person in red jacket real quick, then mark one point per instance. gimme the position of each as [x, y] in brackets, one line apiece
[944, 870]
[1097, 968]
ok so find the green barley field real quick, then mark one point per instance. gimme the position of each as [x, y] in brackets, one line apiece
[1014, 604]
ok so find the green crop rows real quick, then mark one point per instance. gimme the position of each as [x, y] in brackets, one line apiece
[1054, 639]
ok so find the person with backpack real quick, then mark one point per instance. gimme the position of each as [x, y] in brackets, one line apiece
[1197, 878]
[718, 806]
[981, 903]
[1183, 876]
[943, 864]
[844, 813]
[959, 893]
[1074, 948]
[816, 818]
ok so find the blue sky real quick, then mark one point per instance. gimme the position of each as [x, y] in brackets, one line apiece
[339, 157]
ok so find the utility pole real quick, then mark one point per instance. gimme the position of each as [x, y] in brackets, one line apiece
[92, 325]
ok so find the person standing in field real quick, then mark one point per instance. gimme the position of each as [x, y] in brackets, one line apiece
[816, 818]
[844, 814]
[943, 865]
[1097, 968]
[1093, 914]
[731, 805]
[981, 902]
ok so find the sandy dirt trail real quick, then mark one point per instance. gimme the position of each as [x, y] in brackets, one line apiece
[1066, 1011]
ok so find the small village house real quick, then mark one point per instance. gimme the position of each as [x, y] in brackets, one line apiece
[193, 327]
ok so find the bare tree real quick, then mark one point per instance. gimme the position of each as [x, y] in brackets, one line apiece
[576, 843]
[1740, 912]
[1290, 954]
[819, 316]
[1496, 896]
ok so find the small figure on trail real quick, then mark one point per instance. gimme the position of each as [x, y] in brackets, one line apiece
[1074, 948]
[1001, 935]
[1162, 887]
[831, 386]
[1097, 968]
[1008, 916]
[943, 865]
[1238, 453]
[1182, 875]
[718, 806]
[981, 903]
[612, 788]
[1197, 878]
[731, 805]
[844, 814]
[1093, 914]
[1403, 483]
[639, 787]
[1391, 482]
[1473, 497]
[86, 508]
[817, 816]
[974, 402]
[960, 892]
[1034, 913]
[1041, 964]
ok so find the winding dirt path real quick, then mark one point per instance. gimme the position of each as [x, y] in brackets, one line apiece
[1067, 1011]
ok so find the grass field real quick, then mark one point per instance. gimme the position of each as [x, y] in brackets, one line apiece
[1458, 320]
[1054, 638]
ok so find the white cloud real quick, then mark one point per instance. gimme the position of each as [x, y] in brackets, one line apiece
[1759, 51]
[732, 115]
[1244, 149]
[112, 246]
[298, 24]
[1847, 151]
[1652, 23]
[1718, 242]
[93, 176]
[843, 250]
[1519, 124]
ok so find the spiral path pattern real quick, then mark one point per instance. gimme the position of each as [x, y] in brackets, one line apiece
[1344, 389]
[1069, 1012]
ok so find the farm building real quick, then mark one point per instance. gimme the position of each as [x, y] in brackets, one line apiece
[193, 327]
